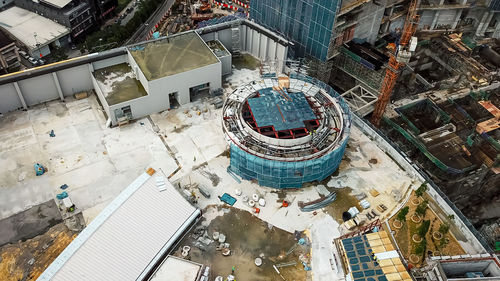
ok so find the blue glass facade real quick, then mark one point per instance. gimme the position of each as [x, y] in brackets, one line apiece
[279, 174]
[307, 23]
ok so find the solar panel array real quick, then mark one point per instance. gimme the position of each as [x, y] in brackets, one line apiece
[360, 252]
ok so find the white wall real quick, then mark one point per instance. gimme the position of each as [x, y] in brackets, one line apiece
[74, 80]
[158, 97]
[45, 50]
[227, 66]
[109, 62]
[38, 89]
[137, 70]
[100, 95]
[9, 100]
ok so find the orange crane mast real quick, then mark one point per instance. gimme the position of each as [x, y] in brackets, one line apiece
[397, 60]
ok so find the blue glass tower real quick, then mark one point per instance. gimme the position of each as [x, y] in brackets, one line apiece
[307, 23]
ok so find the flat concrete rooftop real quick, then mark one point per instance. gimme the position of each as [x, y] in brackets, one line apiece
[23, 24]
[172, 55]
[118, 83]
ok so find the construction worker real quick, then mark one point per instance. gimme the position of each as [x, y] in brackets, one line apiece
[233, 269]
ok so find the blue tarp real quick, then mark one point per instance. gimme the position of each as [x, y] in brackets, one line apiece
[228, 199]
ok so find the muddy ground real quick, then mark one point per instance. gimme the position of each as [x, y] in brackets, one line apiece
[26, 260]
[249, 237]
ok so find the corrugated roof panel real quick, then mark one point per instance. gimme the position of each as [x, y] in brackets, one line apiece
[127, 236]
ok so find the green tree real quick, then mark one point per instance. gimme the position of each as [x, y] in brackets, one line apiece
[422, 207]
[420, 248]
[421, 190]
[402, 214]
[444, 227]
[423, 228]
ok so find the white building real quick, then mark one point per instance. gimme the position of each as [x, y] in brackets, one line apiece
[34, 31]
[154, 76]
[130, 237]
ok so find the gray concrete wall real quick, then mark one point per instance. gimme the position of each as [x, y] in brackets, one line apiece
[407, 165]
[75, 80]
[251, 41]
[158, 98]
[426, 19]
[398, 23]
[100, 95]
[38, 89]
[109, 62]
[227, 66]
[369, 22]
[138, 72]
[9, 100]
[446, 18]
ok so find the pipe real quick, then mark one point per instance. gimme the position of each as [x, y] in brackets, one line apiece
[491, 55]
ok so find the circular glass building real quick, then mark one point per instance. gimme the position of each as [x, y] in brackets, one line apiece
[286, 131]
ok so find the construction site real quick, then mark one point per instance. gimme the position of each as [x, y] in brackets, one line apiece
[216, 153]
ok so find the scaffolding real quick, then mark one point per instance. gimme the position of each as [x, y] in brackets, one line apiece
[235, 40]
[420, 146]
[352, 64]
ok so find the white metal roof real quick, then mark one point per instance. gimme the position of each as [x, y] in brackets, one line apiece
[24, 24]
[173, 268]
[57, 3]
[128, 237]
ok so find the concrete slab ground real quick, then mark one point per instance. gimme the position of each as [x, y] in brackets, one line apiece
[94, 161]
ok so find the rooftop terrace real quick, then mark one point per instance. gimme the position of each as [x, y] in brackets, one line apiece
[118, 84]
[172, 55]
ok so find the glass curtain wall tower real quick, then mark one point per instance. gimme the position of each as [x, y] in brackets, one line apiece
[307, 23]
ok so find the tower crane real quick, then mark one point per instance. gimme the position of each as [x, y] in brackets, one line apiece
[400, 56]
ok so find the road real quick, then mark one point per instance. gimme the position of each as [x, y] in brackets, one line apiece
[141, 33]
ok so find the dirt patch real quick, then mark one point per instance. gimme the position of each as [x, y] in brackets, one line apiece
[27, 260]
[245, 61]
[373, 161]
[29, 223]
[225, 153]
[249, 237]
[343, 202]
[179, 129]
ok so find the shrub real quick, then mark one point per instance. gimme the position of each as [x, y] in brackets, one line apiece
[444, 227]
[424, 227]
[420, 248]
[421, 190]
[422, 207]
[402, 214]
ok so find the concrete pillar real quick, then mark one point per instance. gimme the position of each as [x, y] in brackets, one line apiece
[441, 2]
[481, 23]
[457, 19]
[435, 20]
[487, 23]
[496, 34]
[58, 86]
[20, 94]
